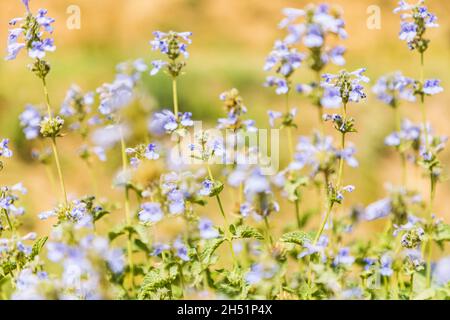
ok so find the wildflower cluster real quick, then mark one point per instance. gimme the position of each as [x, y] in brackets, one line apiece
[175, 222]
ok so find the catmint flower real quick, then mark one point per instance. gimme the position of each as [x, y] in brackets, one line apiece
[281, 84]
[173, 45]
[131, 71]
[159, 248]
[207, 187]
[273, 115]
[151, 152]
[317, 152]
[150, 212]
[386, 265]
[409, 132]
[116, 260]
[181, 250]
[391, 88]
[319, 248]
[378, 209]
[344, 258]
[331, 97]
[415, 20]
[207, 230]
[441, 272]
[4, 149]
[311, 28]
[348, 84]
[165, 121]
[114, 96]
[348, 155]
[432, 87]
[283, 59]
[75, 102]
[157, 65]
[29, 32]
[30, 120]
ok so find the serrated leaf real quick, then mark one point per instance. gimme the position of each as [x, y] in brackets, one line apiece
[296, 237]
[209, 249]
[218, 187]
[37, 247]
[246, 232]
[442, 232]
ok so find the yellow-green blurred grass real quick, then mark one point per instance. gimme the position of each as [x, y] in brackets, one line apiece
[231, 39]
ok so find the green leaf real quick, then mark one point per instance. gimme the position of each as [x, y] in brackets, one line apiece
[218, 187]
[37, 247]
[296, 237]
[209, 249]
[140, 245]
[245, 232]
[442, 232]
[155, 280]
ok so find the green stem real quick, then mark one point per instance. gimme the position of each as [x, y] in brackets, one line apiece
[268, 236]
[222, 211]
[55, 149]
[411, 288]
[398, 126]
[323, 223]
[58, 167]
[127, 209]
[297, 213]
[175, 97]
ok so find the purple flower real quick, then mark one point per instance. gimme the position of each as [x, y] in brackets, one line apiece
[181, 250]
[378, 209]
[150, 212]
[331, 98]
[280, 84]
[344, 258]
[273, 115]
[432, 86]
[4, 149]
[386, 266]
[151, 152]
[392, 87]
[157, 65]
[207, 186]
[207, 230]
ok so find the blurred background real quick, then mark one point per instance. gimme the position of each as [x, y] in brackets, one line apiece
[230, 42]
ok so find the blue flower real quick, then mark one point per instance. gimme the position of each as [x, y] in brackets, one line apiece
[4, 149]
[346, 84]
[280, 84]
[181, 250]
[432, 87]
[408, 132]
[207, 186]
[32, 34]
[331, 98]
[273, 115]
[114, 96]
[378, 209]
[116, 260]
[151, 152]
[441, 272]
[284, 59]
[319, 248]
[392, 87]
[207, 230]
[344, 258]
[150, 212]
[164, 121]
[159, 248]
[157, 65]
[386, 265]
[171, 43]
